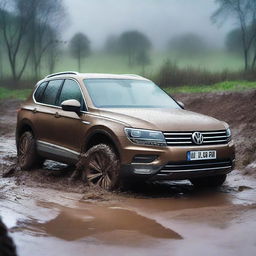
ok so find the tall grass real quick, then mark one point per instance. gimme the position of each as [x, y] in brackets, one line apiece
[171, 75]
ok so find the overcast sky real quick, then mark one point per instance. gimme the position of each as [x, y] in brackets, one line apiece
[158, 19]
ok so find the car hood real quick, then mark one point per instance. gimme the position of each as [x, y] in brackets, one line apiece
[164, 119]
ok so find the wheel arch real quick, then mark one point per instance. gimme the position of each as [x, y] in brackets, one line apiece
[104, 136]
[24, 126]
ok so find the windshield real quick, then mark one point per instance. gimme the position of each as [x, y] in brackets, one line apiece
[127, 93]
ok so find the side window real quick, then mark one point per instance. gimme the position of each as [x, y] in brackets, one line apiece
[51, 92]
[39, 91]
[71, 90]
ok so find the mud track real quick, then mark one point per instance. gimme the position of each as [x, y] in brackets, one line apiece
[48, 215]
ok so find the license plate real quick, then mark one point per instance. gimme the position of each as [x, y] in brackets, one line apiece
[201, 155]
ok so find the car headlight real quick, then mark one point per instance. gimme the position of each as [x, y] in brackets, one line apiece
[145, 137]
[229, 134]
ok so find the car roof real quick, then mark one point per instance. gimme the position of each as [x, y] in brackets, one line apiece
[74, 74]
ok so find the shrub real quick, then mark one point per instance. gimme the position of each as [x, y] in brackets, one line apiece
[171, 75]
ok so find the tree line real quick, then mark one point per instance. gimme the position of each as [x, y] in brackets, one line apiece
[30, 36]
[29, 33]
[243, 12]
[133, 44]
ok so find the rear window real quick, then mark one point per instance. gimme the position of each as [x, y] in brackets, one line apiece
[39, 91]
[51, 92]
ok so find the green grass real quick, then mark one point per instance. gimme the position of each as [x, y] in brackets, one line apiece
[105, 63]
[100, 62]
[219, 87]
[21, 94]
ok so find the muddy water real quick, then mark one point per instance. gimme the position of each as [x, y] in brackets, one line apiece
[44, 221]
[46, 217]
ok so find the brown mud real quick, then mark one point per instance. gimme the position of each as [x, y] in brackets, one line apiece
[48, 215]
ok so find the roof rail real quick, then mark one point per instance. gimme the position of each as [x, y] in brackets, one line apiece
[63, 73]
[132, 75]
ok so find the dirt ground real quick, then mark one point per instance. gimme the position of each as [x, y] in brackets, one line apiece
[48, 215]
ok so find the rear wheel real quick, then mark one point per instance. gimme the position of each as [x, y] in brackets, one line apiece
[100, 166]
[211, 181]
[27, 153]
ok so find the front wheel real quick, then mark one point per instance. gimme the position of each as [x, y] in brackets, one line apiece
[100, 166]
[211, 181]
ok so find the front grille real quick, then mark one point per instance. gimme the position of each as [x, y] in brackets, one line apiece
[185, 138]
[202, 165]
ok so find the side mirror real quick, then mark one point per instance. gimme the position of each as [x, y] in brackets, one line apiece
[181, 104]
[71, 105]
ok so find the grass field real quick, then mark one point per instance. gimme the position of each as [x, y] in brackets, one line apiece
[100, 62]
[224, 86]
[104, 63]
[21, 94]
[219, 87]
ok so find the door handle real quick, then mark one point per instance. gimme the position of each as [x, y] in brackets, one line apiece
[57, 115]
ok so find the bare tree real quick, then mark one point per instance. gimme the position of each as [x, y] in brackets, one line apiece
[189, 44]
[1, 58]
[234, 42]
[143, 60]
[46, 21]
[79, 48]
[15, 18]
[29, 28]
[254, 55]
[133, 43]
[244, 12]
[52, 55]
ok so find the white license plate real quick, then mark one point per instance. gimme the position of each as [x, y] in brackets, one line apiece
[201, 155]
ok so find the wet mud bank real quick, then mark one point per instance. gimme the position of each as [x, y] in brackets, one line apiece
[238, 109]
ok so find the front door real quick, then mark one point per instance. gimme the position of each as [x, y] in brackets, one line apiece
[69, 129]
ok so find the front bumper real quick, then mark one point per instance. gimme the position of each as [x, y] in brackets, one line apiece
[171, 163]
[160, 173]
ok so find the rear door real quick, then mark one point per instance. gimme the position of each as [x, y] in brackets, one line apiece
[46, 109]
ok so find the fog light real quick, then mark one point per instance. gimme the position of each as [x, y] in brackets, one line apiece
[142, 170]
[145, 169]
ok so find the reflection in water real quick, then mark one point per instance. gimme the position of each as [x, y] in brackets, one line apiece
[72, 224]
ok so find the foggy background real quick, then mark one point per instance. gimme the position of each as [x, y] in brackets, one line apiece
[160, 20]
[172, 42]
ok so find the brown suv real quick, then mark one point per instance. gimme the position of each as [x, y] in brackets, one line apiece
[124, 127]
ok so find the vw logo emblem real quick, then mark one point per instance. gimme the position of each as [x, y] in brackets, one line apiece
[197, 138]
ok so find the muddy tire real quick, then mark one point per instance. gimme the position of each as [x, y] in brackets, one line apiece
[27, 153]
[7, 247]
[100, 166]
[211, 181]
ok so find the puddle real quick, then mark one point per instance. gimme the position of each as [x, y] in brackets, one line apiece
[97, 221]
[62, 223]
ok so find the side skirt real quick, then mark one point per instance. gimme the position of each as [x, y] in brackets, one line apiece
[58, 153]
